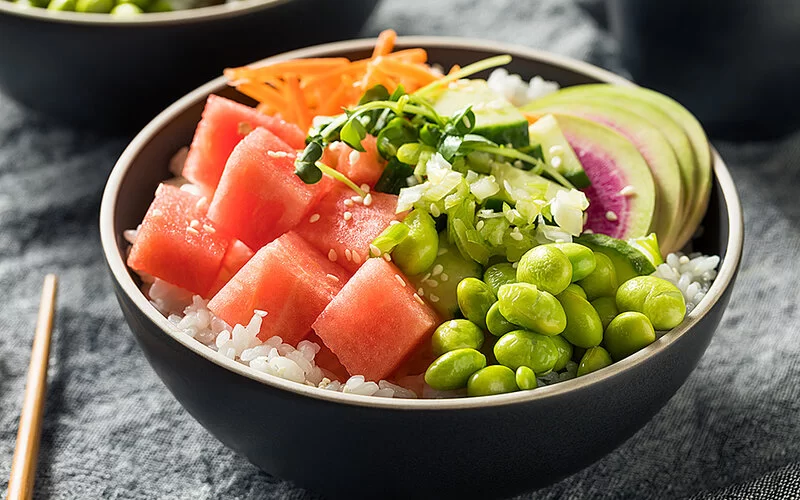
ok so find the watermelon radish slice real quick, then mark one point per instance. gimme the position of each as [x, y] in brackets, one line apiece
[289, 280]
[653, 146]
[612, 163]
[223, 126]
[376, 321]
[178, 243]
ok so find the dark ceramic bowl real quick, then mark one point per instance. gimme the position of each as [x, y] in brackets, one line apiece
[103, 72]
[345, 445]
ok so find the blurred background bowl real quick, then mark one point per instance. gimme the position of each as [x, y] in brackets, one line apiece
[349, 446]
[103, 72]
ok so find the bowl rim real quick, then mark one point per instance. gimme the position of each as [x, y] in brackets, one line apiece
[200, 14]
[121, 274]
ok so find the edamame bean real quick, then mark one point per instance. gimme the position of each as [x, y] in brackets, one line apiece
[547, 267]
[474, 299]
[658, 299]
[61, 5]
[564, 349]
[524, 348]
[606, 308]
[452, 369]
[456, 334]
[581, 258]
[584, 328]
[628, 333]
[526, 378]
[499, 275]
[594, 359]
[160, 6]
[94, 6]
[525, 305]
[495, 379]
[496, 323]
[142, 4]
[417, 251]
[126, 9]
[577, 290]
[602, 282]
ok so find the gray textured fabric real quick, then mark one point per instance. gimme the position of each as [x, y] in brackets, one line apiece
[112, 430]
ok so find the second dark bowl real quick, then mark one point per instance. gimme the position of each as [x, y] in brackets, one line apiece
[348, 446]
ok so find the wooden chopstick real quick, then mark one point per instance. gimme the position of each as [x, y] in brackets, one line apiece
[23, 467]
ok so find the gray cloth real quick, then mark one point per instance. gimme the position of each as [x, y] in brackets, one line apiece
[112, 430]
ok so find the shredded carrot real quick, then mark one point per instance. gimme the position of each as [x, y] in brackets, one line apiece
[300, 89]
[531, 117]
[453, 69]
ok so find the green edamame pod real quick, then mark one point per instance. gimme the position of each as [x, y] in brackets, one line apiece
[594, 359]
[524, 348]
[526, 378]
[581, 258]
[602, 282]
[417, 251]
[525, 305]
[564, 349]
[627, 333]
[547, 267]
[496, 323]
[474, 299]
[499, 275]
[495, 379]
[658, 299]
[584, 328]
[606, 308]
[456, 334]
[452, 369]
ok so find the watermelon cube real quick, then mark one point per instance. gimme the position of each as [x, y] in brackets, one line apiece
[376, 321]
[346, 238]
[178, 243]
[360, 167]
[235, 258]
[222, 127]
[288, 279]
[259, 197]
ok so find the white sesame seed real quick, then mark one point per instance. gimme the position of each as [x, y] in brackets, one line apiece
[314, 218]
[428, 275]
[555, 161]
[441, 251]
[365, 188]
[435, 210]
[209, 229]
[157, 212]
[332, 255]
[444, 277]
[357, 257]
[357, 199]
[433, 298]
[347, 215]
[277, 154]
[368, 200]
[420, 292]
[514, 265]
[611, 216]
[480, 225]
[518, 164]
[419, 299]
[400, 279]
[628, 191]
[192, 230]
[517, 235]
[432, 283]
[394, 222]
[348, 255]
[348, 202]
[588, 231]
[437, 270]
[194, 223]
[373, 250]
[353, 156]
[260, 312]
[332, 277]
[387, 257]
[201, 203]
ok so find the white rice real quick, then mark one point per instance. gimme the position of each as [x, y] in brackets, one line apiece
[516, 90]
[692, 274]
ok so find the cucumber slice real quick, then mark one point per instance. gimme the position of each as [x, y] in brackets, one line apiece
[648, 245]
[628, 261]
[557, 151]
[495, 118]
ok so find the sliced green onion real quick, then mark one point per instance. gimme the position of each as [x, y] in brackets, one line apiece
[518, 155]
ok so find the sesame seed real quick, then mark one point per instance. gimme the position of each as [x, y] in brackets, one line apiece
[314, 218]
[347, 216]
[365, 188]
[201, 203]
[437, 270]
[400, 279]
[555, 161]
[480, 225]
[332, 255]
[194, 223]
[373, 250]
[368, 200]
[514, 265]
[628, 191]
[432, 283]
[332, 277]
[420, 292]
[433, 298]
[157, 213]
[348, 255]
[419, 299]
[357, 257]
[517, 235]
[348, 202]
[444, 277]
[357, 199]
[394, 222]
[277, 154]
[611, 216]
[387, 257]
[192, 230]
[209, 229]
[588, 231]
[441, 251]
[260, 312]
[556, 149]
[435, 210]
[518, 164]
[354, 156]
[426, 276]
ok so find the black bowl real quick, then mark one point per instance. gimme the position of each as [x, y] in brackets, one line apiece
[346, 445]
[103, 72]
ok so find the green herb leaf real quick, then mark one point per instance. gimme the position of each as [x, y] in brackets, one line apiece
[450, 146]
[376, 93]
[461, 123]
[430, 134]
[353, 132]
[396, 133]
[394, 177]
[305, 164]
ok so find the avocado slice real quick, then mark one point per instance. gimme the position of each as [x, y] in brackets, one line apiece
[628, 261]
[495, 118]
[556, 150]
[653, 146]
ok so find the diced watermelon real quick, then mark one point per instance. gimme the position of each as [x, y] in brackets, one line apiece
[347, 241]
[222, 127]
[327, 360]
[375, 322]
[361, 168]
[178, 243]
[288, 279]
[259, 197]
[235, 258]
